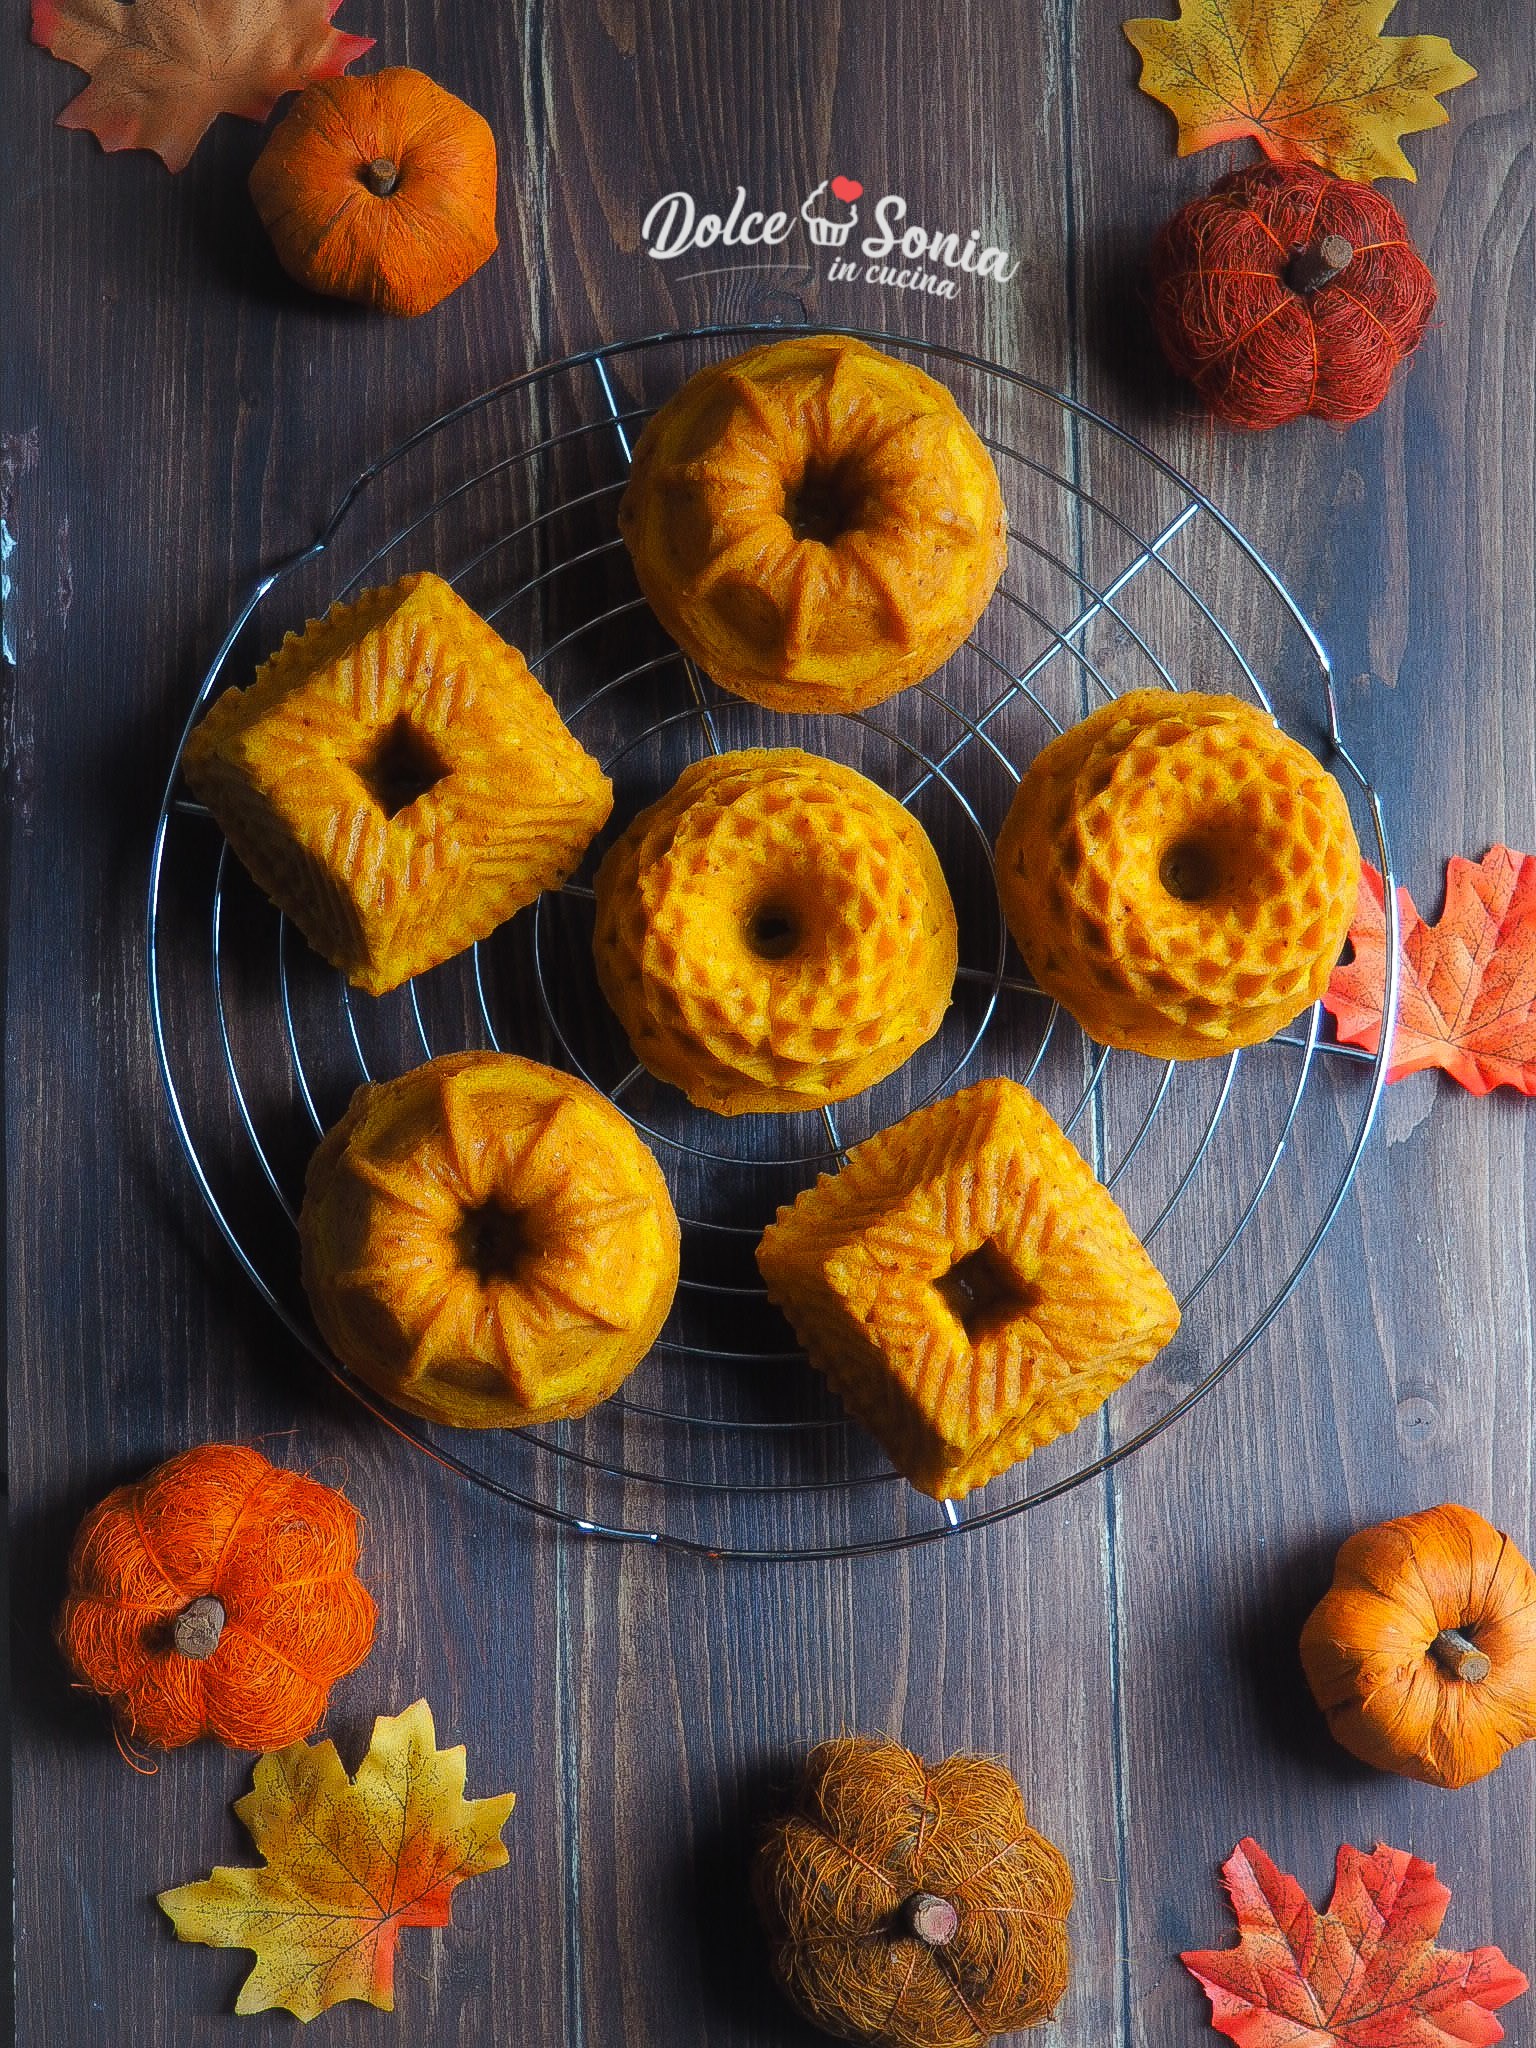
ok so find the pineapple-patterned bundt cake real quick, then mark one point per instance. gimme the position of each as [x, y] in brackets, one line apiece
[967, 1287]
[816, 523]
[486, 1242]
[775, 933]
[1179, 874]
[397, 781]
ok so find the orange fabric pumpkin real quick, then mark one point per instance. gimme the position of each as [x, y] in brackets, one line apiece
[380, 188]
[1423, 1651]
[217, 1596]
[913, 1904]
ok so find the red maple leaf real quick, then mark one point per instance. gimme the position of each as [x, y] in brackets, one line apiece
[163, 70]
[1365, 1974]
[1467, 1000]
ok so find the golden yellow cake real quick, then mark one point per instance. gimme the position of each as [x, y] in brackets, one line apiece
[1179, 874]
[775, 933]
[397, 781]
[487, 1243]
[816, 523]
[967, 1287]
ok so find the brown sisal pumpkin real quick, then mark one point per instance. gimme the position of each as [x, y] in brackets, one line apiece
[1422, 1653]
[913, 1904]
[217, 1596]
[380, 188]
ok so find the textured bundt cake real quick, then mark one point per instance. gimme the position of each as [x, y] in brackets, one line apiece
[486, 1242]
[775, 933]
[967, 1286]
[397, 781]
[816, 523]
[1179, 874]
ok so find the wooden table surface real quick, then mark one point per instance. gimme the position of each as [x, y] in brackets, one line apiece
[175, 417]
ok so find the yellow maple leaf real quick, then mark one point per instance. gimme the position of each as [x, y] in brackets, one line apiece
[1310, 80]
[349, 1862]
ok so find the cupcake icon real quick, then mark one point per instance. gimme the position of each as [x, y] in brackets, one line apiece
[827, 233]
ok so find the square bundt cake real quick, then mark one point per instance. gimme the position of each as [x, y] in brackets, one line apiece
[967, 1286]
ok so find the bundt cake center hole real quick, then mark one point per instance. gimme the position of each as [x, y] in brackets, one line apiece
[774, 931]
[822, 505]
[399, 767]
[494, 1243]
[1191, 870]
[984, 1294]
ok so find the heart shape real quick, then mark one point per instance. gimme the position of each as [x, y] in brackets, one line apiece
[846, 189]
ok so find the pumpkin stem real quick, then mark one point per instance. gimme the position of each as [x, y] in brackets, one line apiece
[381, 176]
[1318, 263]
[1460, 1656]
[196, 1630]
[933, 1920]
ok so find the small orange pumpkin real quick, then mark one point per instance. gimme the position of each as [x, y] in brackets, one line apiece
[1422, 1653]
[217, 1596]
[380, 188]
[912, 1904]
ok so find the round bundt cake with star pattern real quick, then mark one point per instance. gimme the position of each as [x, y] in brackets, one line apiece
[486, 1242]
[815, 523]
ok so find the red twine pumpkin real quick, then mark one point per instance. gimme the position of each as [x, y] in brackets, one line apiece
[217, 1596]
[1285, 291]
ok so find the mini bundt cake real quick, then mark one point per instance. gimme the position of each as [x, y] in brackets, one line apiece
[486, 1242]
[967, 1287]
[775, 933]
[1179, 874]
[816, 523]
[397, 782]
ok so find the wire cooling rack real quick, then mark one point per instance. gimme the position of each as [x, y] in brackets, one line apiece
[1121, 575]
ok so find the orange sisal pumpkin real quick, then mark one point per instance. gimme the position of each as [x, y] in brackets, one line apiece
[1422, 1653]
[380, 188]
[912, 1904]
[217, 1596]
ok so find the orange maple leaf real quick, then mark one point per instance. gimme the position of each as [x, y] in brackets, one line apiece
[1309, 80]
[1365, 1974]
[1467, 994]
[161, 70]
[349, 1862]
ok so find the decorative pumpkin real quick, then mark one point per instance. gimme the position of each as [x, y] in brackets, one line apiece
[1423, 1651]
[217, 1596]
[913, 1904]
[1284, 291]
[380, 188]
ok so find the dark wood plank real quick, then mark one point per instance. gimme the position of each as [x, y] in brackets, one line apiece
[176, 417]
[1400, 1374]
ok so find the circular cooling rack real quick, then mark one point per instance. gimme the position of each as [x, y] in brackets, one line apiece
[1120, 575]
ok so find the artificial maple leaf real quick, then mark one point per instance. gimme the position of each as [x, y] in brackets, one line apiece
[1365, 1974]
[1309, 80]
[349, 1862]
[161, 70]
[1467, 988]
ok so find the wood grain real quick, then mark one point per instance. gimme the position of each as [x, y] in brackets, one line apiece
[176, 416]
